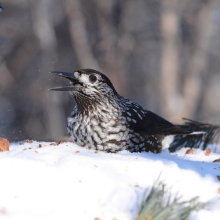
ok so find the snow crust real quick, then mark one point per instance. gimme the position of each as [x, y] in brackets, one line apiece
[71, 182]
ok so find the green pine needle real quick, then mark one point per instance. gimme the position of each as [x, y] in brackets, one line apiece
[158, 205]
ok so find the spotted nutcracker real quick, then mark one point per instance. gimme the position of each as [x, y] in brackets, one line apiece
[103, 120]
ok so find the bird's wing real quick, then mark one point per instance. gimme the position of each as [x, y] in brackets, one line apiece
[150, 123]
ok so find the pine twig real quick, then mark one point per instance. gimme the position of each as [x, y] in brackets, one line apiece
[211, 135]
[158, 205]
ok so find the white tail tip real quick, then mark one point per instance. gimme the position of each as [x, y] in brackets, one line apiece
[197, 132]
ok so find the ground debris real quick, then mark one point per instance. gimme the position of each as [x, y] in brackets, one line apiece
[3, 211]
[217, 160]
[4, 144]
[207, 152]
[28, 141]
[190, 151]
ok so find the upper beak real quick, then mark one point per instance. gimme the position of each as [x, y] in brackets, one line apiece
[71, 77]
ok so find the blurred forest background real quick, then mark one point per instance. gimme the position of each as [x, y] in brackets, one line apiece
[162, 54]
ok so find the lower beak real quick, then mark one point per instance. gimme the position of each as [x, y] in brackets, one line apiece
[65, 88]
[68, 75]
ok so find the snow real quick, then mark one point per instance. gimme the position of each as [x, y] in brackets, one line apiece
[67, 181]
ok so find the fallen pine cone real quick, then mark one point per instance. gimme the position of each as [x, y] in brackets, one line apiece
[189, 151]
[4, 144]
[208, 152]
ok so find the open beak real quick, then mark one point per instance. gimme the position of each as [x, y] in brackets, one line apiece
[70, 76]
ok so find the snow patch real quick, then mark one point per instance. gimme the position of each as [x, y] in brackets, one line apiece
[72, 182]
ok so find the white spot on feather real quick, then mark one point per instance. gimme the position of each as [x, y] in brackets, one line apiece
[139, 116]
[129, 113]
[76, 74]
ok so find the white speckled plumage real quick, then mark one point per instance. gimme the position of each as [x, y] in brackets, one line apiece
[104, 120]
[106, 130]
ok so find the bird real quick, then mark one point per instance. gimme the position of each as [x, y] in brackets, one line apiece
[103, 120]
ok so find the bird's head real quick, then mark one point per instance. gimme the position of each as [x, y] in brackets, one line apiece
[86, 84]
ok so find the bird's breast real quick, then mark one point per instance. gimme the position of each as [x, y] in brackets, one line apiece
[101, 132]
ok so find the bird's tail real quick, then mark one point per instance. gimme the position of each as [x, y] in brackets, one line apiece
[201, 136]
[180, 131]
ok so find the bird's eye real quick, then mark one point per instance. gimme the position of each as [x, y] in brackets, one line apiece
[92, 78]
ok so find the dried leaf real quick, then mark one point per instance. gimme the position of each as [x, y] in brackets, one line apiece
[77, 152]
[4, 144]
[189, 151]
[207, 152]
[217, 160]
[218, 177]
